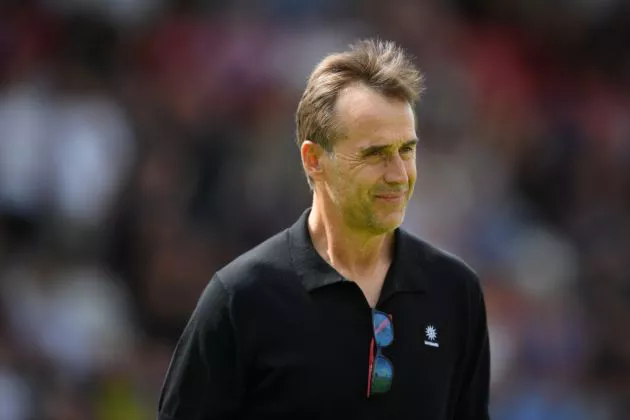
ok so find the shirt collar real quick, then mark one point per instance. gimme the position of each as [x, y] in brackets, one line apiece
[405, 274]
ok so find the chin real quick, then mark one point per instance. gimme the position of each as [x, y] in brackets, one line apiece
[388, 223]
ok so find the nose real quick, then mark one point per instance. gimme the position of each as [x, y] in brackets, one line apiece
[396, 170]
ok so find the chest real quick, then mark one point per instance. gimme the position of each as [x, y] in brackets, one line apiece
[317, 359]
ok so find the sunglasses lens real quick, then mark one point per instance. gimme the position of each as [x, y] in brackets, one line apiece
[383, 330]
[382, 375]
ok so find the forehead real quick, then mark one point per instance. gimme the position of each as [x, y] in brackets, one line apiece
[368, 117]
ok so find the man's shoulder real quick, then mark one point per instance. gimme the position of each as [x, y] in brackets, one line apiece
[270, 258]
[440, 265]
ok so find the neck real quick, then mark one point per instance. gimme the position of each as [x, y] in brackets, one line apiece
[351, 252]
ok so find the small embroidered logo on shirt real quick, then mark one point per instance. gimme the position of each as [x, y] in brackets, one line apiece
[431, 332]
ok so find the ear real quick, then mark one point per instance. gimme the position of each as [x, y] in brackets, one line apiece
[312, 155]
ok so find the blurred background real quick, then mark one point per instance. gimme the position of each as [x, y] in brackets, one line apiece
[145, 143]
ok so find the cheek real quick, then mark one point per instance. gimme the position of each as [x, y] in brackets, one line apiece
[357, 176]
[371, 174]
[353, 190]
[354, 182]
[344, 185]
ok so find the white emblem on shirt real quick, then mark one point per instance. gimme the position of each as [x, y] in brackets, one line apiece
[431, 332]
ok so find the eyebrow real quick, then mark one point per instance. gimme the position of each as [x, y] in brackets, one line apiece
[380, 148]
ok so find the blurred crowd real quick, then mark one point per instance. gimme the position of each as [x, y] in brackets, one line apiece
[145, 143]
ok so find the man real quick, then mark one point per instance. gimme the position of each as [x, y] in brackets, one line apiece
[344, 314]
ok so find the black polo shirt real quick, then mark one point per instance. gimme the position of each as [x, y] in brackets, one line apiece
[279, 334]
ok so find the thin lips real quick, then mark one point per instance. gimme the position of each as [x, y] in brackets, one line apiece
[391, 195]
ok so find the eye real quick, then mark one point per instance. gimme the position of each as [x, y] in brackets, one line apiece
[375, 153]
[406, 150]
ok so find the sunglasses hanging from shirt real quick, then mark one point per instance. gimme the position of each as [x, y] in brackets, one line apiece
[381, 370]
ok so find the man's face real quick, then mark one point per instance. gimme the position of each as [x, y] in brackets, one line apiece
[371, 173]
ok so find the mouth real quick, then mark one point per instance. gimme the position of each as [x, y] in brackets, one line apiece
[391, 196]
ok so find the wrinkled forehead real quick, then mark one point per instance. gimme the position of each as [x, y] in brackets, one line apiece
[366, 117]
